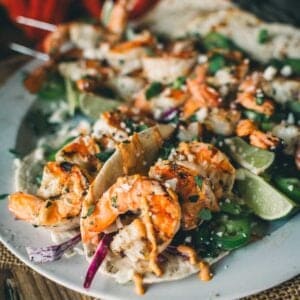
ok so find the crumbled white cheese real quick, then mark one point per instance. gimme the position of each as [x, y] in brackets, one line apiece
[269, 73]
[201, 114]
[171, 183]
[188, 239]
[290, 134]
[202, 59]
[290, 119]
[286, 71]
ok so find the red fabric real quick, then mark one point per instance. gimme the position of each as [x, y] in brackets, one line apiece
[52, 11]
[93, 7]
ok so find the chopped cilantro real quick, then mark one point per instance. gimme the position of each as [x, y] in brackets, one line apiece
[205, 214]
[154, 89]
[90, 211]
[259, 100]
[263, 36]
[179, 82]
[199, 181]
[216, 62]
[193, 118]
[193, 198]
[105, 155]
[53, 88]
[215, 40]
[3, 196]
[141, 127]
[129, 125]
[114, 201]
[166, 150]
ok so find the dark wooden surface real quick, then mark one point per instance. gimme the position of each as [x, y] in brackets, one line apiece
[20, 284]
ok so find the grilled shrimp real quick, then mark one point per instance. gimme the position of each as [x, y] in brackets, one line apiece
[257, 138]
[201, 94]
[222, 121]
[208, 162]
[263, 140]
[169, 98]
[84, 36]
[157, 207]
[250, 95]
[115, 127]
[245, 127]
[126, 57]
[194, 191]
[87, 36]
[82, 152]
[58, 201]
[119, 16]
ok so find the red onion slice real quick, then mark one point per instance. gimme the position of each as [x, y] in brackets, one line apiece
[97, 260]
[51, 253]
[169, 114]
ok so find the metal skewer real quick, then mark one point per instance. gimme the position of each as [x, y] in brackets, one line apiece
[35, 23]
[28, 51]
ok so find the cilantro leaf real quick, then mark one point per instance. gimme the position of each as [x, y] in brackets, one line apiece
[90, 211]
[179, 82]
[199, 181]
[216, 62]
[153, 90]
[263, 36]
[105, 155]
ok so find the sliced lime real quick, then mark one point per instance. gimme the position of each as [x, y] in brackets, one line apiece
[265, 201]
[252, 158]
[93, 105]
[72, 96]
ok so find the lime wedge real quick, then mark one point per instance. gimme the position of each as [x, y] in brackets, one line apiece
[252, 158]
[72, 96]
[265, 201]
[93, 105]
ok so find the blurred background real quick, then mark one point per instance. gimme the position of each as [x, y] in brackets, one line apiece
[57, 11]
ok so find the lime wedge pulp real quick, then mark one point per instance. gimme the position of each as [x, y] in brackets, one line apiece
[252, 158]
[265, 201]
[93, 105]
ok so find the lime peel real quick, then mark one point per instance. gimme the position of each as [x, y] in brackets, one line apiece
[265, 201]
[94, 105]
[252, 158]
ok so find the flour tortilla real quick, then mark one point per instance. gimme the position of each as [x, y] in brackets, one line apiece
[175, 268]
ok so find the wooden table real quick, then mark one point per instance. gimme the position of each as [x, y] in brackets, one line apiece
[18, 282]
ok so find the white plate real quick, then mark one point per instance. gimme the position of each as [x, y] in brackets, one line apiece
[256, 267]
